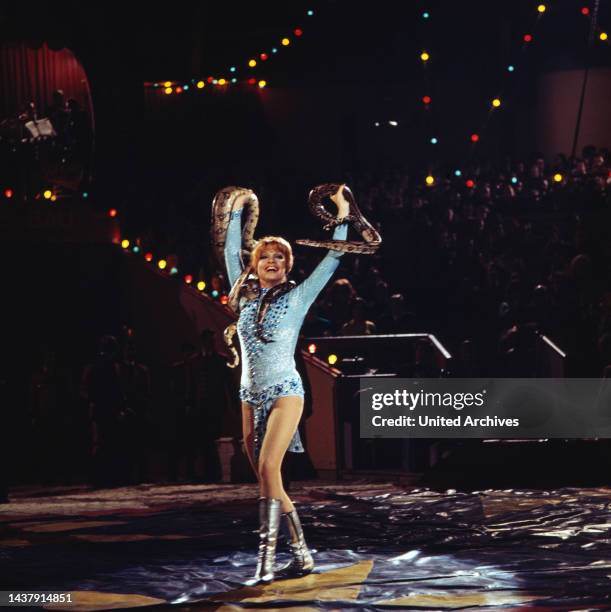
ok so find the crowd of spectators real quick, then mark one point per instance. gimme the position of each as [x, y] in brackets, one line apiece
[491, 256]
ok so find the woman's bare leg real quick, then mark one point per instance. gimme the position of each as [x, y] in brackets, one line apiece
[281, 426]
[248, 432]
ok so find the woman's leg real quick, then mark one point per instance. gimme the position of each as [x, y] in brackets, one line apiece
[281, 426]
[248, 432]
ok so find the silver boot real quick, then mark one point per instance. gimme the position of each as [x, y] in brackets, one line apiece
[302, 562]
[269, 521]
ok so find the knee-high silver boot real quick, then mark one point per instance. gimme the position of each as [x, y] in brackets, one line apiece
[269, 521]
[302, 562]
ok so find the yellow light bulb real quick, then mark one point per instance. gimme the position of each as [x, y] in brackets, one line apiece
[558, 177]
[332, 359]
[201, 285]
[125, 244]
[47, 193]
[541, 8]
[286, 42]
[252, 63]
[603, 36]
[200, 84]
[429, 180]
[424, 56]
[168, 90]
[222, 81]
[262, 84]
[168, 84]
[162, 263]
[496, 102]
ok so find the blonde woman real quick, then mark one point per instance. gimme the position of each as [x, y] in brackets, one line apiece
[271, 390]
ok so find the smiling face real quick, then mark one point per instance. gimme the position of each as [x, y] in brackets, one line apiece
[271, 267]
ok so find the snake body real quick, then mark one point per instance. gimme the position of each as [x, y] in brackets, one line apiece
[247, 285]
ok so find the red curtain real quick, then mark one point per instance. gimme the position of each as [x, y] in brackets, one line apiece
[33, 74]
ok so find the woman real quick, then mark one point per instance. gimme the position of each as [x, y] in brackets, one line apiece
[271, 389]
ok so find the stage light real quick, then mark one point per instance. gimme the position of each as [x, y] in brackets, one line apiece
[424, 56]
[200, 85]
[557, 177]
[469, 183]
[393, 123]
[429, 180]
[528, 38]
[148, 257]
[168, 84]
[332, 359]
[252, 63]
[514, 180]
[603, 36]
[426, 15]
[173, 270]
[224, 299]
[311, 348]
[262, 84]
[222, 82]
[585, 11]
[541, 8]
[232, 69]
[263, 56]
[510, 68]
[310, 13]
[112, 212]
[188, 279]
[8, 193]
[434, 140]
[214, 292]
[496, 102]
[426, 99]
[167, 90]
[46, 194]
[457, 173]
[125, 244]
[298, 32]
[474, 137]
[285, 42]
[136, 249]
[252, 81]
[162, 263]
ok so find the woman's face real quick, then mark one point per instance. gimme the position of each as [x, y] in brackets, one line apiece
[271, 268]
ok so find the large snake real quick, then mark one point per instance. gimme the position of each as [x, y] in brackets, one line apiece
[247, 286]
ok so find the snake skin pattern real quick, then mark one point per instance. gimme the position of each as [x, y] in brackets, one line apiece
[223, 205]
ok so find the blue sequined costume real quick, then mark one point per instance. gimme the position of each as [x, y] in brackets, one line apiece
[268, 369]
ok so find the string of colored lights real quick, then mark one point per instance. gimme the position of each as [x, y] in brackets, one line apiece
[496, 101]
[165, 265]
[231, 76]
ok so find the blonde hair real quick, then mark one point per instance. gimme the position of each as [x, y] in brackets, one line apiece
[283, 246]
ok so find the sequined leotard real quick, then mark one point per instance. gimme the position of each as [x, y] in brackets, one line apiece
[268, 369]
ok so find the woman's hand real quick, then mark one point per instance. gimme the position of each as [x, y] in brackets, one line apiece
[343, 206]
